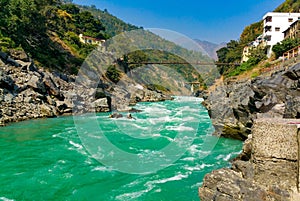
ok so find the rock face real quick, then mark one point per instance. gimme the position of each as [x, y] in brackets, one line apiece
[268, 167]
[234, 105]
[27, 92]
[272, 171]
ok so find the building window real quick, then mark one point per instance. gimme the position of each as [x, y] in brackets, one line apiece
[277, 28]
[268, 28]
[290, 19]
[269, 19]
[268, 38]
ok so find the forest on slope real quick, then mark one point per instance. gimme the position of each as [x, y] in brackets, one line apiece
[48, 31]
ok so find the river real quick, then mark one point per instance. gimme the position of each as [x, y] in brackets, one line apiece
[47, 159]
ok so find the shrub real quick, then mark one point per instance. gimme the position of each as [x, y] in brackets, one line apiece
[284, 46]
[113, 74]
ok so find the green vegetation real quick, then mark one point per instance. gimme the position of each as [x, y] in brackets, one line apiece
[185, 70]
[255, 74]
[48, 31]
[232, 53]
[251, 32]
[112, 24]
[161, 50]
[80, 22]
[288, 6]
[284, 46]
[113, 74]
[257, 55]
[6, 43]
[158, 87]
[133, 61]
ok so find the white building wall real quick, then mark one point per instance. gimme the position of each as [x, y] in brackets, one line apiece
[273, 29]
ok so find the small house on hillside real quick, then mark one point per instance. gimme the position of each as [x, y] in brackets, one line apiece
[259, 42]
[90, 40]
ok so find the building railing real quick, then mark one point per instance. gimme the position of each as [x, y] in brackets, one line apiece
[291, 53]
[290, 59]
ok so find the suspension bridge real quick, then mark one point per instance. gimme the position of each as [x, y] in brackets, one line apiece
[193, 84]
[192, 63]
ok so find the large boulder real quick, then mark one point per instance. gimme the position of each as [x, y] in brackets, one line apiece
[101, 105]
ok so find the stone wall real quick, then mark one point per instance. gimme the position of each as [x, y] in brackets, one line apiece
[275, 152]
[272, 171]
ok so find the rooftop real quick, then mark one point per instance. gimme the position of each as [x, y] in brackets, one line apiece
[278, 14]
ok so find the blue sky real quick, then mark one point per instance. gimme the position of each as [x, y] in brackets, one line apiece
[212, 20]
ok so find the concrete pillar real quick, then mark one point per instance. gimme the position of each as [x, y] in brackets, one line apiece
[275, 152]
[298, 126]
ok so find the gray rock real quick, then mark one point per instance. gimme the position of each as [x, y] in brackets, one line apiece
[19, 55]
[101, 105]
[234, 105]
[34, 82]
[29, 92]
[47, 111]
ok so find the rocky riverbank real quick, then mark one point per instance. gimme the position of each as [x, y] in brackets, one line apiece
[29, 92]
[234, 105]
[268, 167]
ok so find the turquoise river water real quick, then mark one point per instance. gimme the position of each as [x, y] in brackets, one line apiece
[47, 159]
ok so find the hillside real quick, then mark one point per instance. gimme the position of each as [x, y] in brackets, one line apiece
[289, 6]
[48, 31]
[112, 24]
[256, 102]
[233, 50]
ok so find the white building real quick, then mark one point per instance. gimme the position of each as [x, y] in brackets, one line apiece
[90, 40]
[259, 41]
[274, 26]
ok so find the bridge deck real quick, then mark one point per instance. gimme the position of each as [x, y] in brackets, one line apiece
[192, 63]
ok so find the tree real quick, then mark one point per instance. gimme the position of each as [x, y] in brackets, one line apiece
[221, 53]
[230, 54]
[70, 8]
[137, 57]
[284, 46]
[113, 74]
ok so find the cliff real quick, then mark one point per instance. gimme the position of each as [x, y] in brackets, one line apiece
[268, 167]
[29, 92]
[235, 104]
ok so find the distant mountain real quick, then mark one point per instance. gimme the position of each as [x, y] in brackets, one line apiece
[210, 48]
